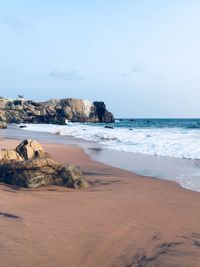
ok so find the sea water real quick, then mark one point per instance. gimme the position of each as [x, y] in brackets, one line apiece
[178, 138]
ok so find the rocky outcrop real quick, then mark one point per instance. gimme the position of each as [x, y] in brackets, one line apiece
[28, 165]
[55, 111]
[3, 124]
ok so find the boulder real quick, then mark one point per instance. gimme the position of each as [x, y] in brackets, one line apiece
[9, 155]
[36, 172]
[3, 125]
[29, 149]
[29, 166]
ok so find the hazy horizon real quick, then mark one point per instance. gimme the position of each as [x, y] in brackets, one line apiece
[140, 58]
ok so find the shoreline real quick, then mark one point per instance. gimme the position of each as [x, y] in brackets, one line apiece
[84, 157]
[122, 220]
[185, 172]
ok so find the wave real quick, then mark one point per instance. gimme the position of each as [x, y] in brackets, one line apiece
[193, 127]
[172, 142]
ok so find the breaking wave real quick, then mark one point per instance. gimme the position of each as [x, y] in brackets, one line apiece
[172, 142]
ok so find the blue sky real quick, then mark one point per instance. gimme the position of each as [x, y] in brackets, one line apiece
[141, 57]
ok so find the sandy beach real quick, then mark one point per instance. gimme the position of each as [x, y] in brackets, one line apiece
[99, 133]
[122, 220]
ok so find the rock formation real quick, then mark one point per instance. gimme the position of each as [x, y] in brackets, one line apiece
[3, 124]
[103, 114]
[55, 111]
[28, 165]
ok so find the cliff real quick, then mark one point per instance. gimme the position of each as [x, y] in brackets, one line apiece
[54, 111]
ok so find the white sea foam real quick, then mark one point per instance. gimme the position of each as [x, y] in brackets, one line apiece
[190, 181]
[172, 142]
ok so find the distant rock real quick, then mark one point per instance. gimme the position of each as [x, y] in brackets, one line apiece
[28, 165]
[3, 124]
[103, 114]
[54, 111]
[109, 127]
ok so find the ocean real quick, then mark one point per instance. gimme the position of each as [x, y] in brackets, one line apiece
[179, 138]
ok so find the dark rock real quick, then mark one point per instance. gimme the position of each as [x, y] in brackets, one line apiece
[37, 172]
[102, 113]
[109, 127]
[30, 166]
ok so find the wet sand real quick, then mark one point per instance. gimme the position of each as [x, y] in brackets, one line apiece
[122, 220]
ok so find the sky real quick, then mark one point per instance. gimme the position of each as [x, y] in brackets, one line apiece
[141, 57]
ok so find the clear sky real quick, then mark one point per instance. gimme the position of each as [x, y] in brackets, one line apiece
[142, 57]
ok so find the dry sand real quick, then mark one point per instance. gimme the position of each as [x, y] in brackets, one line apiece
[122, 220]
